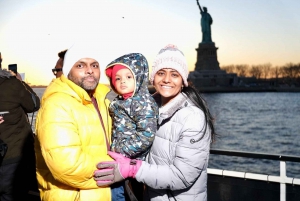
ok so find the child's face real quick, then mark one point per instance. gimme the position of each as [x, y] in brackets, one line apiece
[125, 82]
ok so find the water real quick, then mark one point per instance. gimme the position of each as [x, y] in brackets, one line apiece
[253, 122]
[256, 122]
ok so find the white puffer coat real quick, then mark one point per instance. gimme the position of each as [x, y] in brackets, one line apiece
[178, 159]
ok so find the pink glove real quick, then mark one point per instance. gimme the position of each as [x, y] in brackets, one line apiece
[110, 172]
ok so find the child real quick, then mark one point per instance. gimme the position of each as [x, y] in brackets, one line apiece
[134, 111]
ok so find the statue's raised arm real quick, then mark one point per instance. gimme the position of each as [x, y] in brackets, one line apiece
[199, 6]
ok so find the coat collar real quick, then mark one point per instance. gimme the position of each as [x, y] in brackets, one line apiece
[173, 106]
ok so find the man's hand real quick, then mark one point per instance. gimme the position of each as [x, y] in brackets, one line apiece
[110, 172]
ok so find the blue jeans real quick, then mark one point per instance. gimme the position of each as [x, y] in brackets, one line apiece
[117, 191]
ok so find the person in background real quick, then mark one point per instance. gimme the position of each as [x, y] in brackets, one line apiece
[134, 113]
[176, 167]
[57, 70]
[18, 164]
[73, 129]
[0, 61]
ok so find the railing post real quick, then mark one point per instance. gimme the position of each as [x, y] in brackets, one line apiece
[282, 184]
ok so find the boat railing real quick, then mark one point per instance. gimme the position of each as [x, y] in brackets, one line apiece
[282, 179]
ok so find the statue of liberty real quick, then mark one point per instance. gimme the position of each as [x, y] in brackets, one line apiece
[206, 21]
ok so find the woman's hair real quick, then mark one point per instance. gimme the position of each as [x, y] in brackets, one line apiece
[198, 100]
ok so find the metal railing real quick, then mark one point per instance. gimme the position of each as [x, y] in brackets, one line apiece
[282, 179]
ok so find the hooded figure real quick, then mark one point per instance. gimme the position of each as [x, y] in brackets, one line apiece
[16, 99]
[134, 114]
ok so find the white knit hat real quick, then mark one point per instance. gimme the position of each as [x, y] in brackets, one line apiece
[78, 51]
[170, 57]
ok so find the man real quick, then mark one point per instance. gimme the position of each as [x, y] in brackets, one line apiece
[57, 70]
[17, 161]
[73, 130]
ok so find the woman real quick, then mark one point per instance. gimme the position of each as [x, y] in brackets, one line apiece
[176, 167]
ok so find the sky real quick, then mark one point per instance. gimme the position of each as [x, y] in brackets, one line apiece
[252, 32]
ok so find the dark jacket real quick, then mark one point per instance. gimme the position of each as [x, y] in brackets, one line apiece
[18, 99]
[134, 119]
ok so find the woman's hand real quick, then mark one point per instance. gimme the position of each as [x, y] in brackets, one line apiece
[1, 120]
[110, 172]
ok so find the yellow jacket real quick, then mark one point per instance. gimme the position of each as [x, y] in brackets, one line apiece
[70, 141]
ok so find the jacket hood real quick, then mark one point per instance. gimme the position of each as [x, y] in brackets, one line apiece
[4, 74]
[138, 65]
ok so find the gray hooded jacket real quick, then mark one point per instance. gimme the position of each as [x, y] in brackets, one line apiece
[178, 159]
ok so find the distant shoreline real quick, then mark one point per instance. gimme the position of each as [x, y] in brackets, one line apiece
[44, 86]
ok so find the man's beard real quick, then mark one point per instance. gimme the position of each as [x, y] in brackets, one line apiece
[86, 85]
